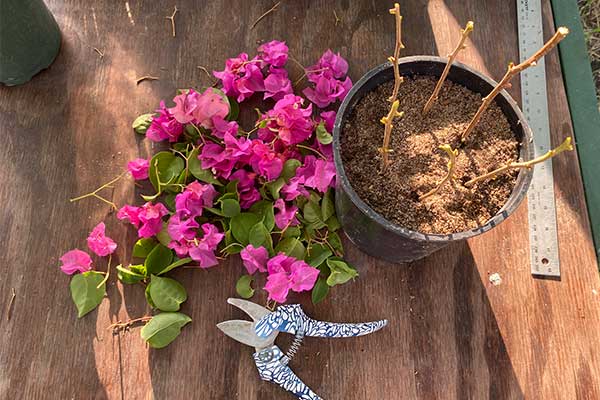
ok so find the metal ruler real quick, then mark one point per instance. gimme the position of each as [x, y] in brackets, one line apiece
[543, 238]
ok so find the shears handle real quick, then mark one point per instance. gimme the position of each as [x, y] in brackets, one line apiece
[272, 367]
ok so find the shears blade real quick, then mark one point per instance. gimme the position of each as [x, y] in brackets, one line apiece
[243, 332]
[255, 311]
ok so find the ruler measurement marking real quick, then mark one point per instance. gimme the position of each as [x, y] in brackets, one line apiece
[543, 238]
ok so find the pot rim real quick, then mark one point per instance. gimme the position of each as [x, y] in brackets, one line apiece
[524, 174]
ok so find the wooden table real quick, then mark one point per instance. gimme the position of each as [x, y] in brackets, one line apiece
[452, 334]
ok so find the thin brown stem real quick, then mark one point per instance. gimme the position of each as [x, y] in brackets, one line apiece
[451, 57]
[107, 273]
[172, 18]
[146, 78]
[269, 11]
[100, 53]
[96, 195]
[317, 152]
[510, 73]
[13, 295]
[449, 175]
[337, 19]
[127, 324]
[564, 146]
[395, 58]
[387, 135]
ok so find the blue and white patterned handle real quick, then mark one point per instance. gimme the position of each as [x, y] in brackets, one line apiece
[292, 319]
[272, 368]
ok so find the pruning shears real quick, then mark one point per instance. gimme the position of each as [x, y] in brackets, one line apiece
[260, 333]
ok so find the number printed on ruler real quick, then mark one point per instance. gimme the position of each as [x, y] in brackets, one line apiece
[543, 238]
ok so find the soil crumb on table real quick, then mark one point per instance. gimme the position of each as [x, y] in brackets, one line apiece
[417, 164]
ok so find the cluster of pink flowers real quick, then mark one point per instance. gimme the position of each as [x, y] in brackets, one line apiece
[283, 132]
[79, 261]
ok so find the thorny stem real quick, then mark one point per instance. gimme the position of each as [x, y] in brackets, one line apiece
[124, 325]
[387, 121]
[269, 11]
[146, 78]
[394, 59]
[107, 273]
[564, 146]
[511, 72]
[96, 195]
[451, 57]
[172, 18]
[449, 175]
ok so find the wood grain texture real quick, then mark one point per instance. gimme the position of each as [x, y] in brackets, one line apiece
[452, 334]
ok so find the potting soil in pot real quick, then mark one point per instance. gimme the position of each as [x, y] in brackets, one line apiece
[417, 164]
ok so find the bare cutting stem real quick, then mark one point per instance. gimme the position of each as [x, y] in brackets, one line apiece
[172, 18]
[449, 175]
[387, 121]
[146, 78]
[564, 146]
[269, 11]
[511, 72]
[394, 59]
[451, 57]
[96, 195]
[127, 324]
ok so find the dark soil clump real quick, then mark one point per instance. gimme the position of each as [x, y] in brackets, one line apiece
[417, 164]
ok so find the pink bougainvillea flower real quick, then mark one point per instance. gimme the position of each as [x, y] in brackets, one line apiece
[329, 118]
[186, 105]
[195, 197]
[241, 77]
[277, 84]
[75, 261]
[264, 161]
[287, 273]
[327, 91]
[318, 174]
[164, 126]
[330, 65]
[222, 126]
[255, 259]
[274, 53]
[221, 160]
[246, 187]
[285, 215]
[148, 218]
[182, 228]
[99, 243]
[292, 123]
[203, 250]
[294, 188]
[138, 168]
[211, 106]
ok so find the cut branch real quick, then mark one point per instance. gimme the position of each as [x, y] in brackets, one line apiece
[172, 18]
[269, 11]
[564, 146]
[511, 72]
[387, 121]
[449, 175]
[451, 57]
[146, 78]
[394, 59]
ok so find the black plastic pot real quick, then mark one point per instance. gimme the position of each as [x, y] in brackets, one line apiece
[368, 230]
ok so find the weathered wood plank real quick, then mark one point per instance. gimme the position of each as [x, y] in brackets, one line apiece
[452, 334]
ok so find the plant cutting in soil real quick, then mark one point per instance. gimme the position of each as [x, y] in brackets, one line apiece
[449, 161]
[217, 190]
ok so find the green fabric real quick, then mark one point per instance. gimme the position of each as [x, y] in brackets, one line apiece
[579, 83]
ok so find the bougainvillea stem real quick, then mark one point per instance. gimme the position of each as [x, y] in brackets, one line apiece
[451, 57]
[172, 19]
[96, 195]
[510, 73]
[564, 146]
[394, 59]
[124, 325]
[452, 154]
[387, 121]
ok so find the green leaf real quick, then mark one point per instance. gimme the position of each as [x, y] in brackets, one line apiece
[85, 292]
[159, 258]
[292, 231]
[341, 271]
[234, 109]
[312, 212]
[327, 206]
[142, 123]
[243, 286]
[195, 168]
[292, 247]
[264, 209]
[127, 276]
[241, 225]
[319, 291]
[148, 297]
[335, 242]
[143, 247]
[164, 166]
[258, 234]
[289, 168]
[166, 293]
[323, 136]
[333, 224]
[163, 236]
[163, 328]
[275, 186]
[230, 207]
[176, 264]
[139, 269]
[317, 253]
